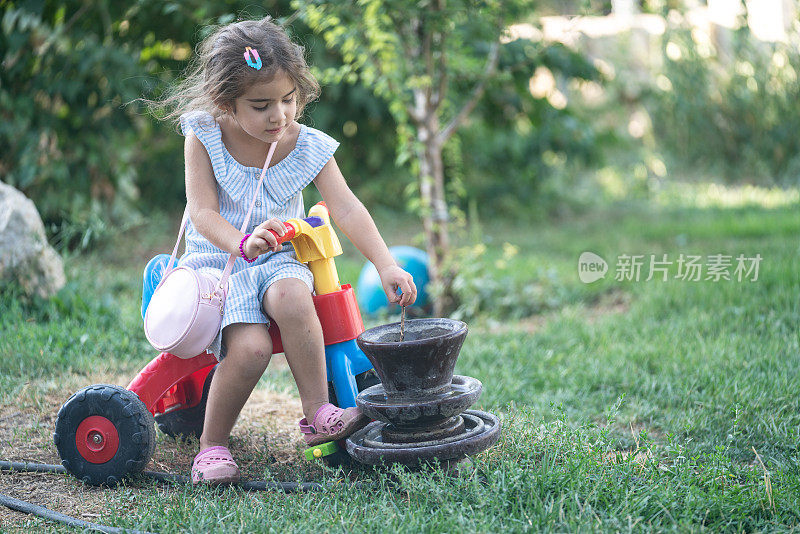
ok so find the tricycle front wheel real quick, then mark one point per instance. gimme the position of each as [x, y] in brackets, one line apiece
[103, 434]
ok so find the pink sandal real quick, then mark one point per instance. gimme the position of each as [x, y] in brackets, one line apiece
[331, 424]
[215, 465]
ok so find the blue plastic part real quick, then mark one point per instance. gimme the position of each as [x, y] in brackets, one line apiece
[344, 361]
[153, 272]
[369, 291]
[314, 221]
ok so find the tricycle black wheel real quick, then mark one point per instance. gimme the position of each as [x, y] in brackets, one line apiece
[103, 434]
[186, 422]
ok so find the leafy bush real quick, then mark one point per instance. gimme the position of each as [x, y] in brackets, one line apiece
[517, 143]
[484, 283]
[738, 114]
[67, 143]
[77, 142]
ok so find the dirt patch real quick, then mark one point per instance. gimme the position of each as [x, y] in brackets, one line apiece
[529, 325]
[265, 442]
[612, 303]
[26, 436]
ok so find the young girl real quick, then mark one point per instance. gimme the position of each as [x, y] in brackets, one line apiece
[247, 92]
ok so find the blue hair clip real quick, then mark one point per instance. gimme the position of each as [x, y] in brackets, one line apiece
[256, 64]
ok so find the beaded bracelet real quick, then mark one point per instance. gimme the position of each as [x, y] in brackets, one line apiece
[241, 249]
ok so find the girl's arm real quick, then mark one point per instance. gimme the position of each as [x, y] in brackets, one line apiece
[203, 202]
[357, 224]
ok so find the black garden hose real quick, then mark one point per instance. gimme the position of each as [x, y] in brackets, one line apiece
[41, 511]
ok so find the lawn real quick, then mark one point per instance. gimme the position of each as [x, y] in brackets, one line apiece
[626, 405]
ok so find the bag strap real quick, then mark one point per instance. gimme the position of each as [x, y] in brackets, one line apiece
[178, 242]
[223, 281]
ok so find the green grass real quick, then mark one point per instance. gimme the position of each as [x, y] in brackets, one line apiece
[643, 416]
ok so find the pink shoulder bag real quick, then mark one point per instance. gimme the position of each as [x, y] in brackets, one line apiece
[185, 312]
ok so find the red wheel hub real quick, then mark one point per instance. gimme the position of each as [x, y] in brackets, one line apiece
[97, 439]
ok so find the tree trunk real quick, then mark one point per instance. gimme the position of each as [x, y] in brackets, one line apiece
[434, 205]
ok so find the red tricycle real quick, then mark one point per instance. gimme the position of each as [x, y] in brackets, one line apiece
[105, 432]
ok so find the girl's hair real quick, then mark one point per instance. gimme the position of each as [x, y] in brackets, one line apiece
[219, 73]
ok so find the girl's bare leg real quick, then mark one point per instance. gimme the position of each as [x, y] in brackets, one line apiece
[249, 349]
[288, 302]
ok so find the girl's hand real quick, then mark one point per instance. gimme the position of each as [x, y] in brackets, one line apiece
[262, 240]
[392, 278]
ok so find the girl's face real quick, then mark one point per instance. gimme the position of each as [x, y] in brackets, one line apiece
[266, 109]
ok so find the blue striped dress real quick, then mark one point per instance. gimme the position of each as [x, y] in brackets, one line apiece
[280, 196]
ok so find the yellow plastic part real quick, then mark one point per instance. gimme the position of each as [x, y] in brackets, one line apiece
[317, 247]
[318, 210]
[317, 453]
[326, 278]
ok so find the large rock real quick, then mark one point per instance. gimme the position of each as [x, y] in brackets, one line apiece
[25, 255]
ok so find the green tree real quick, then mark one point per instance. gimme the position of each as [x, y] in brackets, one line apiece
[69, 68]
[73, 137]
[431, 61]
[66, 140]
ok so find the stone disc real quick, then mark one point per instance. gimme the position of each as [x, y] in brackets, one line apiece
[463, 393]
[473, 443]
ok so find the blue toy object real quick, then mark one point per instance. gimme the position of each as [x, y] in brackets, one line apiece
[369, 291]
[344, 361]
[153, 272]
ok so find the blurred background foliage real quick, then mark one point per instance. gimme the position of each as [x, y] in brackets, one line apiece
[75, 139]
[737, 115]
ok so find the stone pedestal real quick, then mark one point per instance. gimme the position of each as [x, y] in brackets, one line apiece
[420, 407]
